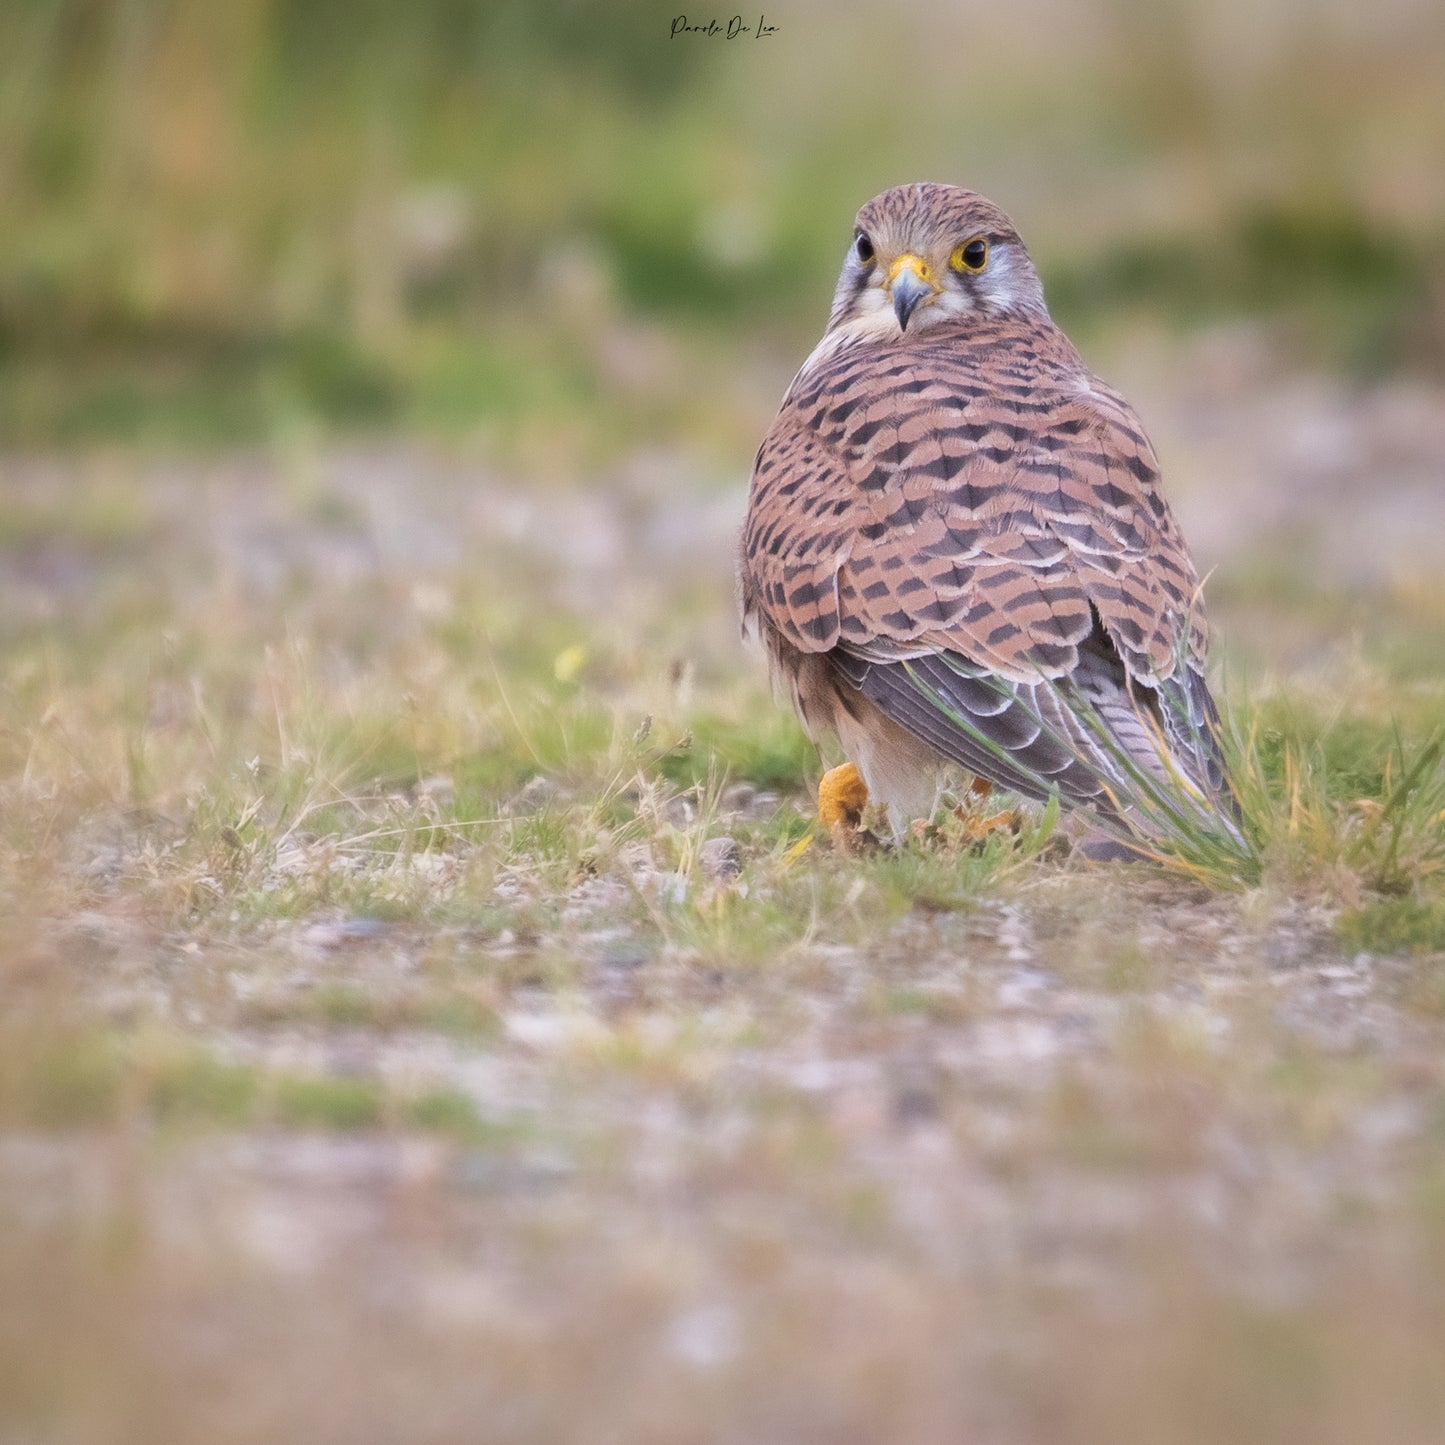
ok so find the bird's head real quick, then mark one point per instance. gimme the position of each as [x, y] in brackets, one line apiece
[927, 253]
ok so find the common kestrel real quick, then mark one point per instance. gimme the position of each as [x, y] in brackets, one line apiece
[956, 549]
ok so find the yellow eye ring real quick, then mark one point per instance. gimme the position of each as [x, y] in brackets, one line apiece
[970, 256]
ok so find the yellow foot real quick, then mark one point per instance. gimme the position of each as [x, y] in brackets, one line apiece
[842, 796]
[977, 824]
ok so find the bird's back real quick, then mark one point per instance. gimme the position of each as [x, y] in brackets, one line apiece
[979, 491]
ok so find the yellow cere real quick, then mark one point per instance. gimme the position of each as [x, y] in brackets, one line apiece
[909, 262]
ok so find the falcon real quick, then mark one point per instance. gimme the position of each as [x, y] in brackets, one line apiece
[956, 548]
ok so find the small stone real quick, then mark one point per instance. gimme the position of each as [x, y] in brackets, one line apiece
[441, 789]
[737, 798]
[344, 931]
[720, 858]
[622, 958]
[914, 1105]
[706, 1337]
[535, 794]
[747, 800]
[681, 812]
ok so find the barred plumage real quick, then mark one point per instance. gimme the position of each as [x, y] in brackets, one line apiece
[956, 546]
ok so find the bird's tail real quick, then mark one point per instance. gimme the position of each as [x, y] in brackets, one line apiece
[1150, 762]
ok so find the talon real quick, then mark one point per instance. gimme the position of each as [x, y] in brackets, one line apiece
[984, 826]
[842, 796]
[970, 813]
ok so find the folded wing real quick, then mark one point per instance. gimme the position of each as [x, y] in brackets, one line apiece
[1005, 581]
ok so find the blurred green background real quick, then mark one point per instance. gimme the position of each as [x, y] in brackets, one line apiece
[553, 228]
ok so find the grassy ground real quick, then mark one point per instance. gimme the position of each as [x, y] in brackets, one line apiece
[421, 1020]
[423, 1015]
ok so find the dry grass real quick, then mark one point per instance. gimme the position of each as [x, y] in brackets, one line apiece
[421, 1020]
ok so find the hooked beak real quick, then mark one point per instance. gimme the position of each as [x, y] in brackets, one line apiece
[909, 286]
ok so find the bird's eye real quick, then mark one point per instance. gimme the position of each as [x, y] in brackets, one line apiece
[863, 249]
[970, 256]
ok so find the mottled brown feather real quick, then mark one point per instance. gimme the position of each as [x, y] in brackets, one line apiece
[907, 521]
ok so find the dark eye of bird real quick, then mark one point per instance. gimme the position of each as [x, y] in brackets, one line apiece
[975, 254]
[863, 249]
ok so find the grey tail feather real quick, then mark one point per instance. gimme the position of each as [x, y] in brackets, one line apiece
[1094, 739]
